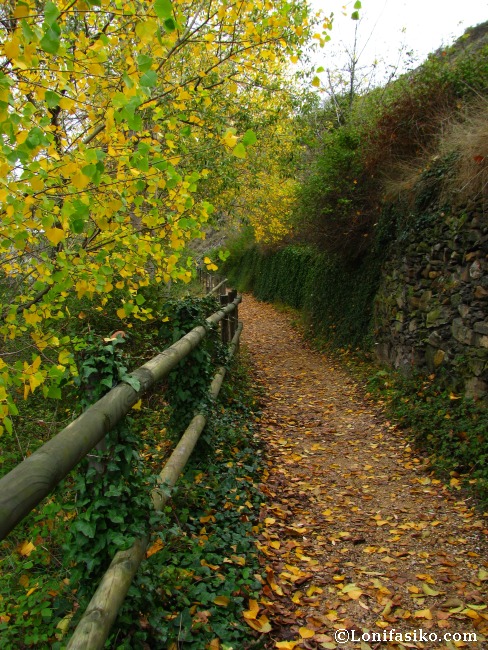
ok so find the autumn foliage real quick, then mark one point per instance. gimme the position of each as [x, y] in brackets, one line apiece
[121, 122]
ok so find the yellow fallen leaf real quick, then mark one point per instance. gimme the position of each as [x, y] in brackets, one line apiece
[352, 591]
[286, 645]
[26, 548]
[24, 580]
[482, 575]
[157, 546]
[428, 591]
[137, 405]
[423, 613]
[222, 601]
[252, 612]
[63, 624]
[306, 633]
[261, 624]
[314, 590]
[296, 597]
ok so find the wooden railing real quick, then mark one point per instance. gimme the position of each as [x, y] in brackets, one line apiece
[22, 489]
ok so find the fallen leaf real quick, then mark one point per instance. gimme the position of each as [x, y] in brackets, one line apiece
[306, 633]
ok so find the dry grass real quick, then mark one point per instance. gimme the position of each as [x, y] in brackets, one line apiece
[464, 139]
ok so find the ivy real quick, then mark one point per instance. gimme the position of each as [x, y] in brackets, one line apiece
[189, 382]
[112, 494]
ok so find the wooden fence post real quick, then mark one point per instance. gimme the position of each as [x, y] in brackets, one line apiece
[234, 317]
[224, 300]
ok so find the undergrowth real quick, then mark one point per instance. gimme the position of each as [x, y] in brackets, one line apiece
[203, 564]
[448, 427]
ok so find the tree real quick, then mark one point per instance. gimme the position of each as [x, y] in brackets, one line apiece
[112, 114]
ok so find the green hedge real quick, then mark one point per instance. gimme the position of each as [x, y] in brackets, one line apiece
[336, 297]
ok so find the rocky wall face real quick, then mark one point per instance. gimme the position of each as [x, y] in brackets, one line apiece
[431, 311]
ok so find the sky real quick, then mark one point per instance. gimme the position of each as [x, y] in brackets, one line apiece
[390, 28]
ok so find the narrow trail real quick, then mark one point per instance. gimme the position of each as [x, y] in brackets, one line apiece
[358, 535]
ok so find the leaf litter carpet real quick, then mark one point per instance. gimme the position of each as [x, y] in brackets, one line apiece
[357, 533]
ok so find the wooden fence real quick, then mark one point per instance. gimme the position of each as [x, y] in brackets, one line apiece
[33, 479]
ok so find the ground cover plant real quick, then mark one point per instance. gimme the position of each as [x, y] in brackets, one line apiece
[52, 561]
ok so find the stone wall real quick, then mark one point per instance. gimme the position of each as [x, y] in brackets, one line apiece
[431, 309]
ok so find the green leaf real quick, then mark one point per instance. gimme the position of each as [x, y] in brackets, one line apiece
[163, 9]
[127, 80]
[51, 13]
[149, 79]
[7, 423]
[357, 4]
[50, 42]
[144, 62]
[54, 392]
[249, 138]
[27, 32]
[239, 150]
[170, 25]
[86, 528]
[355, 15]
[52, 98]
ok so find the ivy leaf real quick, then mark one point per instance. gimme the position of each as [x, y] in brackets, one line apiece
[355, 15]
[357, 4]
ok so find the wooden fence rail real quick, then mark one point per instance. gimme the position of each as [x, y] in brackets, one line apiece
[34, 478]
[94, 627]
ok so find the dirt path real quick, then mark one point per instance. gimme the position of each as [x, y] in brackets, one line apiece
[358, 535]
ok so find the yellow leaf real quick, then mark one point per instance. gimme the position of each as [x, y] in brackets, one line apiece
[222, 601]
[316, 82]
[137, 405]
[157, 546]
[63, 357]
[121, 312]
[287, 645]
[482, 575]
[252, 613]
[63, 624]
[80, 181]
[261, 624]
[313, 590]
[24, 580]
[423, 613]
[230, 139]
[55, 235]
[306, 633]
[66, 103]
[296, 597]
[428, 591]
